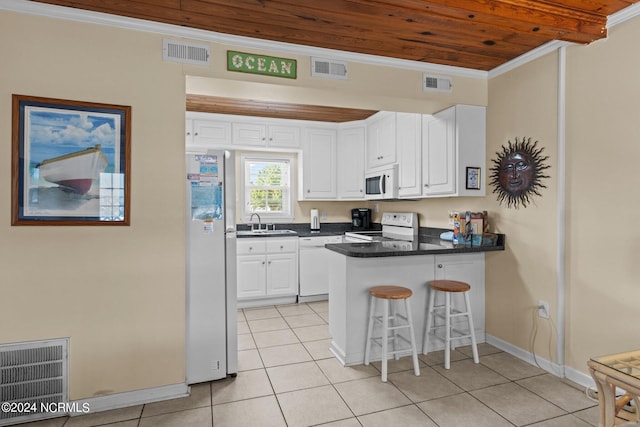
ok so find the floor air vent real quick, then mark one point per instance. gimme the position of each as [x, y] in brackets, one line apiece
[436, 83]
[328, 68]
[33, 380]
[185, 53]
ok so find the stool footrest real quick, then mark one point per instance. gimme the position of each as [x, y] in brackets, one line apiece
[378, 340]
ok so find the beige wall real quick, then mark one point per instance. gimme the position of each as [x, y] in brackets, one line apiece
[117, 292]
[603, 134]
[523, 103]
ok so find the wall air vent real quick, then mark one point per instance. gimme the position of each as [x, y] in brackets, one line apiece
[432, 83]
[328, 68]
[185, 53]
[33, 377]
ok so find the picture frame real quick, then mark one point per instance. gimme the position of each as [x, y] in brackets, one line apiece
[71, 162]
[473, 178]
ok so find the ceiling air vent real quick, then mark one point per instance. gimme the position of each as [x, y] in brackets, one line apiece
[328, 68]
[436, 83]
[185, 53]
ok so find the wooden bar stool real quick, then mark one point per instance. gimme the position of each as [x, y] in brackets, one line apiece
[390, 323]
[449, 312]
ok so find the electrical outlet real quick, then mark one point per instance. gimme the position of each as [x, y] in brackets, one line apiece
[375, 207]
[543, 309]
[323, 216]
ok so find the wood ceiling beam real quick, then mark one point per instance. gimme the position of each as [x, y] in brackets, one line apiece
[281, 110]
[570, 24]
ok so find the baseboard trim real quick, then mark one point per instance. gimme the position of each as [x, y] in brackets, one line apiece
[130, 398]
[546, 364]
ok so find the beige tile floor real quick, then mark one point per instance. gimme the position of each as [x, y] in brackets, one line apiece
[288, 377]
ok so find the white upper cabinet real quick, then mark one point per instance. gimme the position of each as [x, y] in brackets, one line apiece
[350, 161]
[438, 154]
[319, 148]
[205, 130]
[249, 134]
[265, 135]
[409, 149]
[210, 134]
[452, 141]
[381, 139]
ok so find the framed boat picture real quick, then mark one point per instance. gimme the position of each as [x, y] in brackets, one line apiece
[70, 162]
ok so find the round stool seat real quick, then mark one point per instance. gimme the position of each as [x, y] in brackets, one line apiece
[390, 292]
[449, 286]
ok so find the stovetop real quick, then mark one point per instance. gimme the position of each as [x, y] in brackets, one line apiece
[395, 226]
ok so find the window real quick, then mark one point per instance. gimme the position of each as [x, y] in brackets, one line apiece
[267, 187]
[111, 196]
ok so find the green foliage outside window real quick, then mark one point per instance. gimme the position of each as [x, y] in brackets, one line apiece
[265, 186]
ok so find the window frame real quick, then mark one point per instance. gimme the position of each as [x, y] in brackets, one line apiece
[266, 217]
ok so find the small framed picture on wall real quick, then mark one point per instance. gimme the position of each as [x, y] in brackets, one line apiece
[473, 178]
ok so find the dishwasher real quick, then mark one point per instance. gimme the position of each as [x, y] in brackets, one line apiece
[314, 267]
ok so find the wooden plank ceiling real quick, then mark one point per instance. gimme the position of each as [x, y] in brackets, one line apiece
[475, 34]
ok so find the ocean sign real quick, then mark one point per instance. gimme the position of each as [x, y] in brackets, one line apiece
[261, 64]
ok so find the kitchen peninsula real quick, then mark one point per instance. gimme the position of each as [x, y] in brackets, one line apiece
[357, 266]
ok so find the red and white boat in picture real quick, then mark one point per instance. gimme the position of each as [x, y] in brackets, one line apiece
[74, 171]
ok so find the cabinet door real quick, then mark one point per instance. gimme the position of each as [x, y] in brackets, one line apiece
[251, 276]
[249, 134]
[211, 133]
[188, 128]
[351, 146]
[409, 148]
[467, 268]
[283, 136]
[438, 153]
[381, 140]
[282, 274]
[319, 164]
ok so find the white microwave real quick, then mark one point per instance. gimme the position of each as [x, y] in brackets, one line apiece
[381, 184]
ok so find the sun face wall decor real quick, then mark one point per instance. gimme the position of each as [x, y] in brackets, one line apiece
[517, 173]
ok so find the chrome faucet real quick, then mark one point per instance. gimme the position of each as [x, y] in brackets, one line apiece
[259, 221]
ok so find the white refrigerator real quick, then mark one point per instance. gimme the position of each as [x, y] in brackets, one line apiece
[211, 338]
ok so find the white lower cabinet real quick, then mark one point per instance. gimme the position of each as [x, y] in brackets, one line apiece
[267, 267]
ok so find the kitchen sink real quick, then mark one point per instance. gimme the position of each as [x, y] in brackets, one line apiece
[266, 233]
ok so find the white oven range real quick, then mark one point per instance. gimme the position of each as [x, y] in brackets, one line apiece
[396, 226]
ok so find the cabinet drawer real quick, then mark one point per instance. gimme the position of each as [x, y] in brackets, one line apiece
[251, 246]
[282, 245]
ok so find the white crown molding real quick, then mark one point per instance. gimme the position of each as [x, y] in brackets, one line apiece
[624, 15]
[527, 57]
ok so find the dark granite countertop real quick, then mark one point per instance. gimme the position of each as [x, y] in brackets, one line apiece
[302, 230]
[426, 245]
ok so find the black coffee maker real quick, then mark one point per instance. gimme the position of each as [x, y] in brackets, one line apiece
[360, 219]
